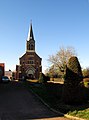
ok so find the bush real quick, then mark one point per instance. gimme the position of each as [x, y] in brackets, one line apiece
[47, 78]
[73, 71]
[73, 90]
[43, 78]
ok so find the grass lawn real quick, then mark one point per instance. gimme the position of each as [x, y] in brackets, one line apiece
[51, 94]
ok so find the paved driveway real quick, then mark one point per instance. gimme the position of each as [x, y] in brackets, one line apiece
[16, 103]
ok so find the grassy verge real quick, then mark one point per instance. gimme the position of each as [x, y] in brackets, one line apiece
[51, 94]
[81, 114]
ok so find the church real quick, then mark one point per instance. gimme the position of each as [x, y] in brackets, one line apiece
[29, 63]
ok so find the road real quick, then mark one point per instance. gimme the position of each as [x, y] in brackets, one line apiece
[16, 103]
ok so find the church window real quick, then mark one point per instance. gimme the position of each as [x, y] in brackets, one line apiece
[31, 47]
[31, 62]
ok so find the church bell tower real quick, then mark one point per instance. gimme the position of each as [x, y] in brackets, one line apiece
[30, 47]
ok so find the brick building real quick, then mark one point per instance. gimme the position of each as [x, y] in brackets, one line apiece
[2, 70]
[30, 62]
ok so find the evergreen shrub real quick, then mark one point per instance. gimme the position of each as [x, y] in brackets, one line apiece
[73, 89]
[43, 78]
[73, 71]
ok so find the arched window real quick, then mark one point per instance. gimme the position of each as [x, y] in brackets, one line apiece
[31, 47]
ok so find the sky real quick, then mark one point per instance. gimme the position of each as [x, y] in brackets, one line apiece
[56, 23]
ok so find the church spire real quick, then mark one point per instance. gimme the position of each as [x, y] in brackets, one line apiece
[30, 33]
[30, 45]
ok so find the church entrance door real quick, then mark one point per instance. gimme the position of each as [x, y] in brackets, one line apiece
[31, 73]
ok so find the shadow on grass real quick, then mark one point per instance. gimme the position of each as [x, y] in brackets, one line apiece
[51, 94]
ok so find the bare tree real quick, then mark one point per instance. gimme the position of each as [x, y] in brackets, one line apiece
[60, 59]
